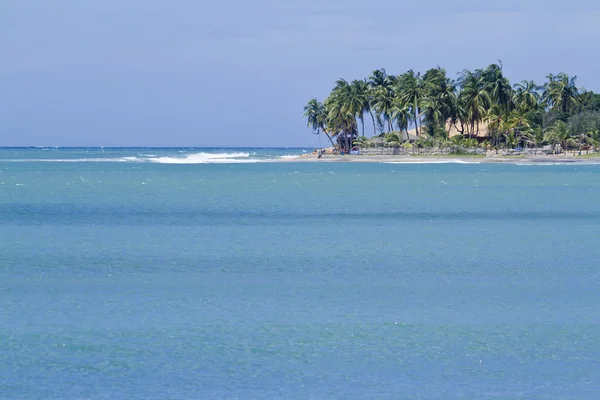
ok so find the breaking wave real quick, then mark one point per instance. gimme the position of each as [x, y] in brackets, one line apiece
[192, 158]
[203, 158]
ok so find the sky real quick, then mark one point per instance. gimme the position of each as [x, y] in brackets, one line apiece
[237, 73]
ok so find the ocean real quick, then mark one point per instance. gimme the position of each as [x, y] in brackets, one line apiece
[222, 274]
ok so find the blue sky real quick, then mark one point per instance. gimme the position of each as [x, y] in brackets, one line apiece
[233, 72]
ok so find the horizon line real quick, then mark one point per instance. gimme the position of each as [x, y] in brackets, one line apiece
[156, 147]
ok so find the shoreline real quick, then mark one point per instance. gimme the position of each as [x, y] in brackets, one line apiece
[442, 159]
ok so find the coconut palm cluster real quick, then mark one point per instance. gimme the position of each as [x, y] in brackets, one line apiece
[478, 108]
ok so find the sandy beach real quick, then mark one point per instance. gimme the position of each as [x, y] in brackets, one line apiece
[434, 159]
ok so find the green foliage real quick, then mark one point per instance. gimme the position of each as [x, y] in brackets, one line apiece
[471, 142]
[534, 136]
[557, 135]
[425, 142]
[478, 103]
[589, 101]
[560, 92]
[316, 114]
[393, 139]
[361, 141]
[475, 97]
[584, 122]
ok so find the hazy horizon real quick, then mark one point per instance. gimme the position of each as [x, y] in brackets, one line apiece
[230, 74]
[155, 147]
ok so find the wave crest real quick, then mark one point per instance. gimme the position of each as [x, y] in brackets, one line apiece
[203, 158]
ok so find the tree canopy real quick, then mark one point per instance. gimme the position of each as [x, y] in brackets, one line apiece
[556, 112]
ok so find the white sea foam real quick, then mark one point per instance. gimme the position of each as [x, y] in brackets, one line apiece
[204, 158]
[192, 158]
[289, 156]
[69, 160]
[434, 162]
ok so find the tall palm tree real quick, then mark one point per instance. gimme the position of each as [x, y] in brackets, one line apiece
[527, 95]
[343, 109]
[410, 91]
[517, 120]
[439, 101]
[360, 100]
[457, 113]
[498, 86]
[363, 93]
[497, 124]
[383, 102]
[432, 110]
[474, 97]
[401, 114]
[382, 95]
[316, 114]
[378, 78]
[561, 93]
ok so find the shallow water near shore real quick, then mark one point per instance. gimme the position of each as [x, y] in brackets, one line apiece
[149, 279]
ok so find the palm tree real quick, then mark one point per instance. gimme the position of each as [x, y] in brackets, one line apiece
[534, 136]
[432, 112]
[378, 78]
[393, 139]
[383, 102]
[527, 95]
[458, 114]
[360, 100]
[364, 94]
[433, 103]
[497, 123]
[380, 95]
[498, 86]
[410, 91]
[557, 134]
[561, 93]
[316, 114]
[343, 109]
[361, 141]
[474, 97]
[518, 122]
[401, 115]
[439, 103]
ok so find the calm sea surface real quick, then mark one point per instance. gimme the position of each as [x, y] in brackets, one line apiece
[190, 273]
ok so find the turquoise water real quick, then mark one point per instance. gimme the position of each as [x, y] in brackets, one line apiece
[154, 273]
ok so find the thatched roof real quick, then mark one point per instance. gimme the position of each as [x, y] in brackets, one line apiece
[378, 140]
[453, 131]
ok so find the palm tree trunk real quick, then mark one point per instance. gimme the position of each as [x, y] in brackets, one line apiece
[362, 122]
[329, 137]
[373, 119]
[416, 126]
[416, 110]
[348, 141]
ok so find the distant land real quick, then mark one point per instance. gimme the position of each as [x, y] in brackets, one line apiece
[480, 112]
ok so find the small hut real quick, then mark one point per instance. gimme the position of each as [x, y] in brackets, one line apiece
[345, 139]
